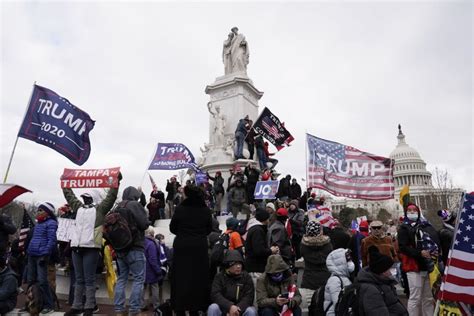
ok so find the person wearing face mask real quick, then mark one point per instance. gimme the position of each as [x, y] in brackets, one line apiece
[378, 239]
[232, 290]
[339, 263]
[378, 295]
[416, 259]
[276, 289]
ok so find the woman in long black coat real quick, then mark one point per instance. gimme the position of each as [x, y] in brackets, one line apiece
[191, 223]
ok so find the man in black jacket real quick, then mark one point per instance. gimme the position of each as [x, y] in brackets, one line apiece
[295, 190]
[172, 188]
[232, 291]
[131, 260]
[6, 228]
[256, 244]
[252, 175]
[218, 189]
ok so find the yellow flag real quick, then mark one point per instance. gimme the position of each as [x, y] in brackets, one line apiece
[405, 196]
[110, 277]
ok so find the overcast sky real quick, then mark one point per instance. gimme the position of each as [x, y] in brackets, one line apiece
[346, 71]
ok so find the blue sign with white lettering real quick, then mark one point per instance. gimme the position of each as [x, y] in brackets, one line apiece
[53, 121]
[266, 190]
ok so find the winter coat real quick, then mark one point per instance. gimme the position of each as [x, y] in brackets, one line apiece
[153, 272]
[256, 247]
[228, 290]
[384, 245]
[43, 241]
[136, 217]
[372, 301]
[190, 287]
[172, 189]
[237, 195]
[268, 290]
[315, 251]
[295, 191]
[339, 238]
[283, 188]
[241, 127]
[296, 218]
[410, 253]
[278, 236]
[446, 235]
[252, 175]
[355, 244]
[89, 219]
[6, 228]
[8, 290]
[336, 263]
[218, 184]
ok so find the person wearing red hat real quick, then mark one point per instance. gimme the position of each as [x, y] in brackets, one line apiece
[278, 235]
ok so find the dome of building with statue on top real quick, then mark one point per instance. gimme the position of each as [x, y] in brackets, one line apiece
[409, 168]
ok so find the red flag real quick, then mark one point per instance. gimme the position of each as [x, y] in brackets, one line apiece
[8, 192]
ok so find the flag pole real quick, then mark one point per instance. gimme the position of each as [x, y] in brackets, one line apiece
[148, 166]
[16, 140]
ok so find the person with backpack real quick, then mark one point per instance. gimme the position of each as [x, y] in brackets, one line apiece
[40, 249]
[131, 259]
[339, 263]
[86, 245]
[315, 248]
[153, 273]
[189, 276]
[276, 289]
[218, 189]
[377, 293]
[416, 259]
[235, 240]
[232, 290]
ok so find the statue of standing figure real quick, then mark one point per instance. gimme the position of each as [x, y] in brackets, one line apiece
[235, 53]
[219, 125]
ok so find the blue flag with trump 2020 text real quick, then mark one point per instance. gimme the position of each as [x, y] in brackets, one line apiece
[172, 156]
[53, 121]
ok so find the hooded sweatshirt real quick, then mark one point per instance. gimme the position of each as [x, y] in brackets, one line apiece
[136, 217]
[337, 264]
[228, 290]
[268, 290]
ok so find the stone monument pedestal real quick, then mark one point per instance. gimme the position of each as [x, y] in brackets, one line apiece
[235, 96]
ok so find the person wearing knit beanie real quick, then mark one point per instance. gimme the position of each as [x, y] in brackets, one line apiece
[270, 207]
[377, 293]
[232, 223]
[313, 228]
[446, 234]
[378, 262]
[261, 215]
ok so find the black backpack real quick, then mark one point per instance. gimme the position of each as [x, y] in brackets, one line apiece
[119, 227]
[316, 307]
[348, 302]
[220, 248]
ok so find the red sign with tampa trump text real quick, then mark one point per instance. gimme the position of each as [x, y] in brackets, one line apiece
[90, 178]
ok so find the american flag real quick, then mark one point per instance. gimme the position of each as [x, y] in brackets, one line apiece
[346, 171]
[26, 224]
[270, 127]
[458, 281]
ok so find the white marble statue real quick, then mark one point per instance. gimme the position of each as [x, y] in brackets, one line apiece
[235, 53]
[217, 137]
[229, 146]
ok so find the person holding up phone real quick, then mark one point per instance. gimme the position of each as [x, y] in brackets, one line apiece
[276, 289]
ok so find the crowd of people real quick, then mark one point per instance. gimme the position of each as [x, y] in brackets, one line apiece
[255, 271]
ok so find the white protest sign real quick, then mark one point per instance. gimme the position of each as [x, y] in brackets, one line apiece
[65, 229]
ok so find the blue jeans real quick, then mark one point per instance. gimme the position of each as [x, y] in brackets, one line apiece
[269, 311]
[132, 262]
[215, 310]
[239, 139]
[262, 159]
[38, 272]
[85, 265]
